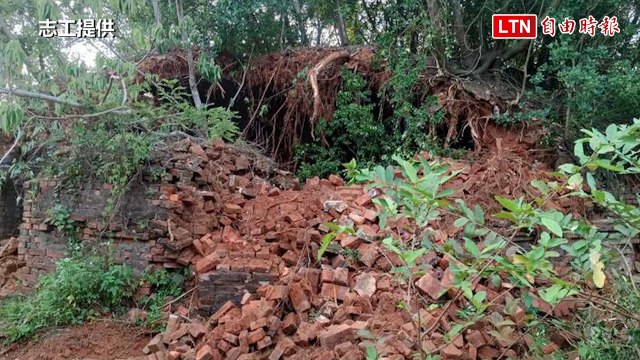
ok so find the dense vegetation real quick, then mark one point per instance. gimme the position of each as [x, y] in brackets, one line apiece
[569, 81]
[85, 288]
[64, 118]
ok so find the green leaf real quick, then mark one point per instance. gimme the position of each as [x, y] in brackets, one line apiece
[552, 225]
[575, 179]
[508, 204]
[569, 168]
[578, 150]
[597, 267]
[326, 241]
[591, 181]
[472, 247]
[372, 353]
[455, 330]
[460, 222]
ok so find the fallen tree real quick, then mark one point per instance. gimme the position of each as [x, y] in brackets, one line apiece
[289, 93]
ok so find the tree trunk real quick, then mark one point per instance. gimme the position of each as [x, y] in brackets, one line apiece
[438, 46]
[193, 84]
[342, 29]
[319, 32]
[300, 19]
[156, 11]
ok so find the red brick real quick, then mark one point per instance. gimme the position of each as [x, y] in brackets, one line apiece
[173, 324]
[475, 338]
[231, 208]
[315, 181]
[287, 345]
[173, 355]
[341, 276]
[299, 300]
[365, 199]
[368, 254]
[230, 338]
[264, 343]
[229, 235]
[488, 352]
[429, 285]
[278, 292]
[154, 345]
[207, 263]
[185, 257]
[222, 311]
[350, 242]
[205, 353]
[224, 346]
[550, 348]
[256, 336]
[336, 180]
[335, 335]
[306, 332]
[370, 214]
[290, 323]
[197, 330]
[357, 219]
[451, 352]
[260, 323]
[334, 291]
[327, 275]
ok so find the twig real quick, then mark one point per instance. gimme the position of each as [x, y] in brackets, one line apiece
[627, 266]
[6, 154]
[169, 230]
[524, 77]
[39, 96]
[459, 292]
[181, 296]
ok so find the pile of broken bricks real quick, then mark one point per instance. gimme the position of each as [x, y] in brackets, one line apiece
[226, 218]
[338, 314]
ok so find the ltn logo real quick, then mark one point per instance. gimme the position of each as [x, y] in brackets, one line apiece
[514, 26]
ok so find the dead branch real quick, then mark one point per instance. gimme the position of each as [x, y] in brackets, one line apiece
[15, 142]
[39, 96]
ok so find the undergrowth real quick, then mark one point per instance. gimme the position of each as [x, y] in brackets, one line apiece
[83, 288]
[414, 195]
[359, 130]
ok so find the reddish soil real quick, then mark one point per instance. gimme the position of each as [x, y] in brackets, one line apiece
[100, 340]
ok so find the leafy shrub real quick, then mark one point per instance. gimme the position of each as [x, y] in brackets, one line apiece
[358, 130]
[164, 285]
[354, 132]
[413, 194]
[77, 290]
[83, 288]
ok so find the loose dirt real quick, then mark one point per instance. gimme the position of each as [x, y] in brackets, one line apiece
[106, 340]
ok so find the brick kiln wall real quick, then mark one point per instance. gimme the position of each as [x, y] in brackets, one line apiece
[134, 231]
[175, 222]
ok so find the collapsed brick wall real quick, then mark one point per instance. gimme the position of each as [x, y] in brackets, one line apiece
[171, 222]
[10, 210]
[219, 209]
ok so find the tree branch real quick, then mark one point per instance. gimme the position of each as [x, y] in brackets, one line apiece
[458, 26]
[313, 79]
[193, 84]
[15, 142]
[39, 96]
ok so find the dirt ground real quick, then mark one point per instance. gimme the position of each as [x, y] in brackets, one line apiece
[106, 340]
